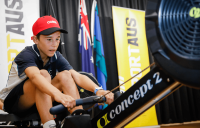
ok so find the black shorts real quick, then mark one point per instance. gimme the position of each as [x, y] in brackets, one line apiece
[12, 100]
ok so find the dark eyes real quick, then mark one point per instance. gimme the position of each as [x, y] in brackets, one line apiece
[51, 39]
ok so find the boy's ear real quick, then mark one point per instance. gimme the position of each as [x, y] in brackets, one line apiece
[35, 39]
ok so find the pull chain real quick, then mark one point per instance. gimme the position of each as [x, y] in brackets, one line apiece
[129, 79]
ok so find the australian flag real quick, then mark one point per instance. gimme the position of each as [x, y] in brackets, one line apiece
[85, 46]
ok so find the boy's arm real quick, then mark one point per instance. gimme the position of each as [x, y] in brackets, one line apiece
[86, 83]
[33, 73]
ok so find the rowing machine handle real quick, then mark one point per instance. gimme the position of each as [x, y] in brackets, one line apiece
[88, 100]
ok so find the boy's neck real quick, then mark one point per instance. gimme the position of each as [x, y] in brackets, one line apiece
[44, 57]
[45, 60]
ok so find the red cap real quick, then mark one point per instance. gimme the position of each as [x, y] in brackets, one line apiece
[46, 25]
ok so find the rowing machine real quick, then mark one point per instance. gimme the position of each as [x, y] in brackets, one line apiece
[152, 88]
[172, 29]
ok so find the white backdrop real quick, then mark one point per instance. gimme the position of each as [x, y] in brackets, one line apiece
[17, 18]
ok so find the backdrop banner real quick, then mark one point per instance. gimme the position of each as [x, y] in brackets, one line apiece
[17, 18]
[132, 54]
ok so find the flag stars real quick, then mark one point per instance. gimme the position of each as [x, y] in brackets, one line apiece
[92, 60]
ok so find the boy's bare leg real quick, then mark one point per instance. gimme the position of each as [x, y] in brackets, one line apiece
[32, 95]
[1, 105]
[43, 104]
[64, 82]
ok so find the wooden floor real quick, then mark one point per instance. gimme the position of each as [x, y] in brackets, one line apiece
[183, 126]
[195, 124]
[178, 125]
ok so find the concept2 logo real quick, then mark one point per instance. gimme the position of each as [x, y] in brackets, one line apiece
[195, 12]
[105, 119]
[127, 102]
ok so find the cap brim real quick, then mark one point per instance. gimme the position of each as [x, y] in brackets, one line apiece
[52, 30]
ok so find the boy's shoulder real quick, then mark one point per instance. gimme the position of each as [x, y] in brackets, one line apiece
[58, 55]
[27, 52]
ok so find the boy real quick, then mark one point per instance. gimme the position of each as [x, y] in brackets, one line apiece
[39, 74]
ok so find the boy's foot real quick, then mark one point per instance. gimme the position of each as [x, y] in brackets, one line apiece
[52, 126]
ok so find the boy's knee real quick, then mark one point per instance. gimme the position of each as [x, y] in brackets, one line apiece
[64, 75]
[45, 74]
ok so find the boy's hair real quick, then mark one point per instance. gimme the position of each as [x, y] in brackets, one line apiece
[38, 36]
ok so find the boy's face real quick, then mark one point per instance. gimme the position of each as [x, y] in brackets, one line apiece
[48, 44]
